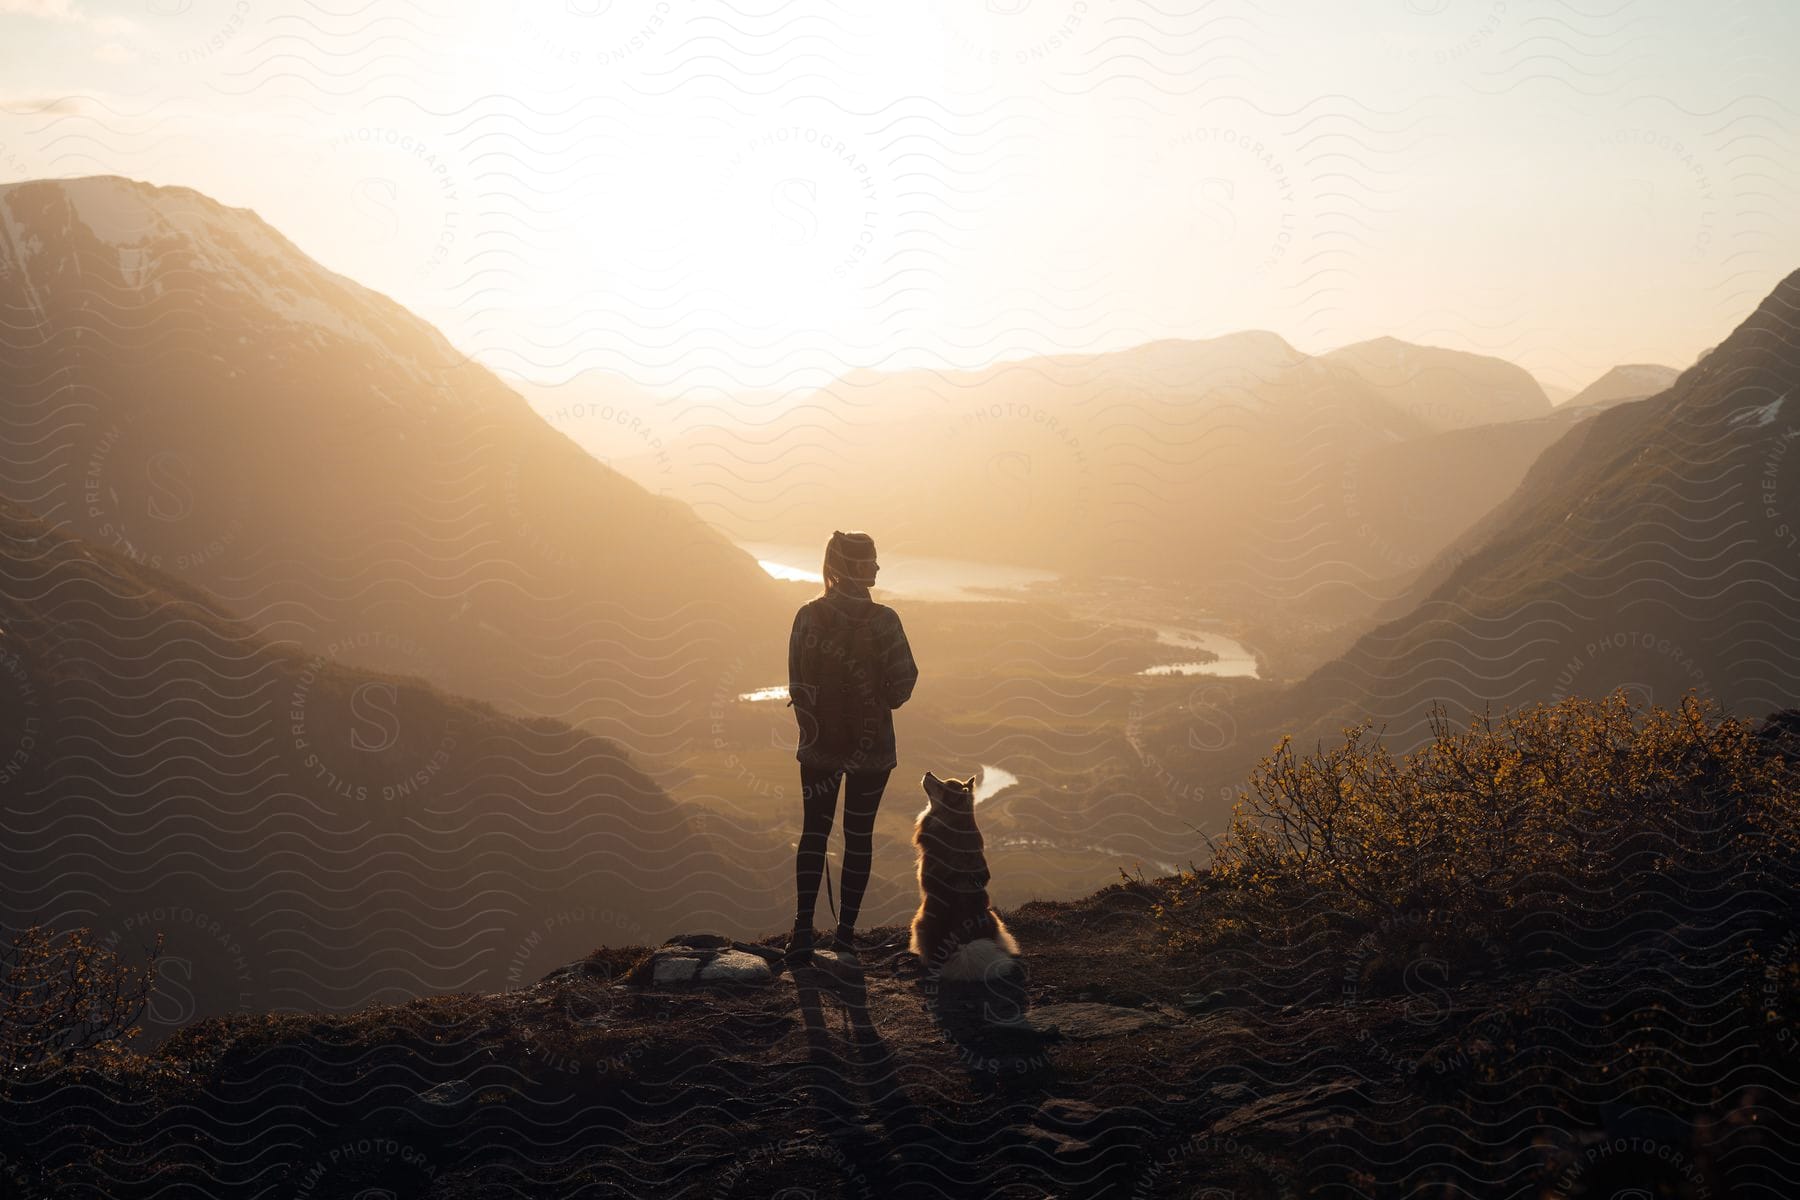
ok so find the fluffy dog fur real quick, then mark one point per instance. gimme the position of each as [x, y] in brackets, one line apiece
[956, 932]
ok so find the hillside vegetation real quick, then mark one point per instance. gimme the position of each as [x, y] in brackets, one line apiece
[1558, 828]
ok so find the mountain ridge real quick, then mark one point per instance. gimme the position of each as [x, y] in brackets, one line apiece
[197, 393]
[1609, 563]
[333, 836]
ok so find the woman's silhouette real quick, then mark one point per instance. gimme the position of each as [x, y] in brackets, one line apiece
[849, 667]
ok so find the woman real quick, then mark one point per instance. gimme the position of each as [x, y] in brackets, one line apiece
[849, 667]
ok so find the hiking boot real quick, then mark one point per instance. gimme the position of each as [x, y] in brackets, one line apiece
[842, 942]
[800, 946]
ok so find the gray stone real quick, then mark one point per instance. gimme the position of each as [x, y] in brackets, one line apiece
[439, 1108]
[1085, 1021]
[688, 966]
[1296, 1112]
[768, 953]
[737, 967]
[579, 970]
[1077, 1116]
[446, 1095]
[1056, 1145]
[673, 968]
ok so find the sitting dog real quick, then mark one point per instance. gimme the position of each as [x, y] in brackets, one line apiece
[956, 933]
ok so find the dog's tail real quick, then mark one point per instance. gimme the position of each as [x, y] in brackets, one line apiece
[975, 961]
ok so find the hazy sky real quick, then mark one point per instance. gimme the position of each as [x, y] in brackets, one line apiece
[712, 195]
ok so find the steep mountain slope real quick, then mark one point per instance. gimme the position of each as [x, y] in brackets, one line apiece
[185, 387]
[1631, 382]
[1655, 546]
[308, 835]
[1424, 492]
[1446, 389]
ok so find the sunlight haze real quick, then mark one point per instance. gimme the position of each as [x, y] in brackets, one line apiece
[699, 197]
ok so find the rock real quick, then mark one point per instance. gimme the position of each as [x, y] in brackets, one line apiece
[767, 953]
[683, 965]
[1078, 1118]
[700, 941]
[1292, 1112]
[1085, 1021]
[737, 967]
[438, 1109]
[446, 1095]
[1014, 1026]
[575, 972]
[669, 968]
[1056, 1145]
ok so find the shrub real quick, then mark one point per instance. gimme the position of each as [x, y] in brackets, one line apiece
[64, 995]
[1582, 815]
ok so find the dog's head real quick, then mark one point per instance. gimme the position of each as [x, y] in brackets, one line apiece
[950, 846]
[949, 795]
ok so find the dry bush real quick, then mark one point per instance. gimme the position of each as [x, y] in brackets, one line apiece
[1556, 819]
[64, 995]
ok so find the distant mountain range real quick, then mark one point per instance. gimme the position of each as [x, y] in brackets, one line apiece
[309, 835]
[1654, 547]
[1237, 461]
[1446, 389]
[1632, 382]
[184, 387]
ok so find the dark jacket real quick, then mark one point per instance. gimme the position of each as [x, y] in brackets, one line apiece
[823, 742]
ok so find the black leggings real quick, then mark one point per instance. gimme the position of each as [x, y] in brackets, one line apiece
[818, 794]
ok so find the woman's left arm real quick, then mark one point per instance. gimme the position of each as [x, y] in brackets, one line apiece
[899, 670]
[799, 690]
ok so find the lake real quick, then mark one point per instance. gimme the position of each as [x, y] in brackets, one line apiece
[923, 577]
[1235, 660]
[904, 576]
[779, 692]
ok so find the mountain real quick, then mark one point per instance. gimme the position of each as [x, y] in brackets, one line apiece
[1632, 382]
[1446, 389]
[307, 834]
[1655, 546]
[1425, 491]
[1235, 464]
[185, 387]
